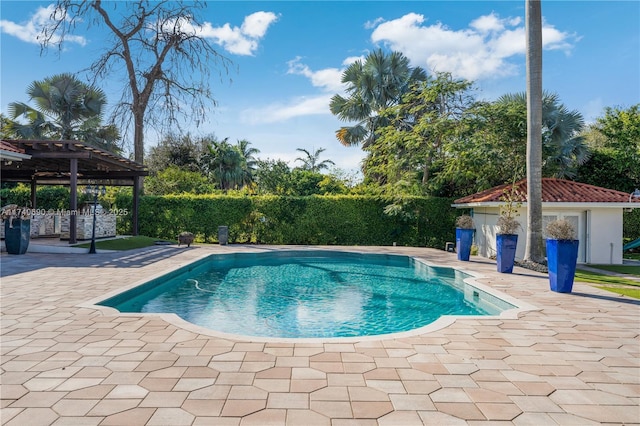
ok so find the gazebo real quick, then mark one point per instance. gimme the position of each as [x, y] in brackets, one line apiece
[72, 163]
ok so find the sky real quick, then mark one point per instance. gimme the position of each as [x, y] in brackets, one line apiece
[288, 58]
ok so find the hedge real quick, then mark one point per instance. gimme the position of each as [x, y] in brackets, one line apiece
[318, 220]
[344, 219]
[47, 197]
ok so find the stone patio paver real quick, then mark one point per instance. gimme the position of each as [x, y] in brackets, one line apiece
[575, 360]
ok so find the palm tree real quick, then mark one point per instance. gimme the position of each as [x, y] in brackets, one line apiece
[312, 161]
[224, 163]
[377, 83]
[563, 146]
[250, 162]
[65, 108]
[533, 18]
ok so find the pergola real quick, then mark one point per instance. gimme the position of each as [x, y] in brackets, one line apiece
[71, 163]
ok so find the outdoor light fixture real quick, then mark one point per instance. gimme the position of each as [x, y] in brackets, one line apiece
[634, 194]
[94, 190]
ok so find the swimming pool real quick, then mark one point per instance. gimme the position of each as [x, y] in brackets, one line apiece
[301, 294]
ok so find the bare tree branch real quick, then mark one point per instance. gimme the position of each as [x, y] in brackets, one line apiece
[158, 47]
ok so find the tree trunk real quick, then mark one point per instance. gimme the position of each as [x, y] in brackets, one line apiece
[425, 172]
[533, 250]
[138, 137]
[138, 156]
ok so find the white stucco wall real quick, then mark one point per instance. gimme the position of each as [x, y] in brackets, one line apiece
[486, 219]
[605, 235]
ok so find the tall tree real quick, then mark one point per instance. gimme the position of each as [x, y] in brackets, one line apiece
[225, 165]
[185, 152]
[621, 128]
[429, 115]
[377, 83]
[615, 141]
[563, 146]
[273, 177]
[249, 160]
[159, 44]
[65, 108]
[311, 161]
[6, 128]
[534, 250]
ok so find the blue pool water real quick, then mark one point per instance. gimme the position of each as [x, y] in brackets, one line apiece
[297, 294]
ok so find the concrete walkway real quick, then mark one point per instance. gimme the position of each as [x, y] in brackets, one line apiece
[574, 360]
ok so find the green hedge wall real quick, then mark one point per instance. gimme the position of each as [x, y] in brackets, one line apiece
[343, 220]
[47, 197]
[321, 220]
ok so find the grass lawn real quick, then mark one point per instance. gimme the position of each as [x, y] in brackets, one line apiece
[626, 291]
[621, 269]
[619, 285]
[125, 243]
[595, 278]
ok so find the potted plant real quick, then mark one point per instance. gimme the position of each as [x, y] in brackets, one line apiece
[17, 228]
[464, 236]
[562, 255]
[507, 235]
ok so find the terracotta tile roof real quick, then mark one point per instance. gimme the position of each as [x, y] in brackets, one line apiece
[553, 191]
[5, 146]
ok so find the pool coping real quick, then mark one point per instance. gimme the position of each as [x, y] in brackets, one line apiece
[520, 307]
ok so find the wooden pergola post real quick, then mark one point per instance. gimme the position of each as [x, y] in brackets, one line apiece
[73, 200]
[34, 187]
[135, 202]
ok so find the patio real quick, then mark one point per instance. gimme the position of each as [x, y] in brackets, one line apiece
[574, 360]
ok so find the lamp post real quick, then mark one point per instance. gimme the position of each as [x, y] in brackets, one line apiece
[94, 190]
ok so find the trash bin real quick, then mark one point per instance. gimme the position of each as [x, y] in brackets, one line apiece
[223, 235]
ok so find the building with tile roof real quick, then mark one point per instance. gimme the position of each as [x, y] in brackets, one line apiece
[596, 213]
[10, 153]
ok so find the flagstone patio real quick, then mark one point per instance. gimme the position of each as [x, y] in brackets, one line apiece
[574, 360]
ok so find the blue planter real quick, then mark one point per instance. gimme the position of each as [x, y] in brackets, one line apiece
[464, 239]
[562, 256]
[16, 237]
[506, 252]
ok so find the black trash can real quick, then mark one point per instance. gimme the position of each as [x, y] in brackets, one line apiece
[223, 235]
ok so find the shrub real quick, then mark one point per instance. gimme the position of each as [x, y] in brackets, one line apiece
[465, 222]
[507, 225]
[561, 230]
[47, 197]
[318, 220]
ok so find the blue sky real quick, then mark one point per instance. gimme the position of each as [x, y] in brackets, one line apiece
[289, 56]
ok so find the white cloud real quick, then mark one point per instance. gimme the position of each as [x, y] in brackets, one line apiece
[30, 31]
[351, 59]
[241, 40]
[480, 51]
[372, 24]
[302, 106]
[487, 23]
[257, 24]
[327, 79]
